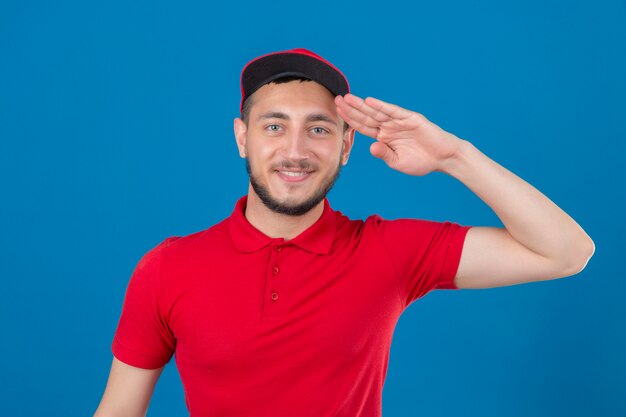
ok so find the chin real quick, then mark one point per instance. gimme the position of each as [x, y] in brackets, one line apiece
[290, 205]
[306, 195]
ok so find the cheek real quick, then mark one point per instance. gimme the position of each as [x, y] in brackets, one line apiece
[260, 155]
[332, 155]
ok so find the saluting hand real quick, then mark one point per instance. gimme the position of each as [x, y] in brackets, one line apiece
[405, 140]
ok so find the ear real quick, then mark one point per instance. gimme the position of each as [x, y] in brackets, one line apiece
[348, 141]
[240, 136]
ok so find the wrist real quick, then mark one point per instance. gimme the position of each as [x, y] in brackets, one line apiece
[453, 163]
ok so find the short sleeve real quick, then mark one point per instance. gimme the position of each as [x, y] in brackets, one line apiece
[425, 253]
[143, 338]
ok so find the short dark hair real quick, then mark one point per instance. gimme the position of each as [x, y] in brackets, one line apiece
[247, 104]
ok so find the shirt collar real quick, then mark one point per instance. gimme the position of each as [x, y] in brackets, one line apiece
[318, 238]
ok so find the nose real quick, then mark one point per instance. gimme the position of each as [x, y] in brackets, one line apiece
[296, 146]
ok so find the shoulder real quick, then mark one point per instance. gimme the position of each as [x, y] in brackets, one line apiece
[347, 227]
[378, 222]
[376, 228]
[196, 241]
[400, 224]
[402, 233]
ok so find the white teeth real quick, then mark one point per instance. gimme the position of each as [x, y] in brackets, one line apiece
[293, 174]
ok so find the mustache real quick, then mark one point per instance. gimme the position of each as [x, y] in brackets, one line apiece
[301, 165]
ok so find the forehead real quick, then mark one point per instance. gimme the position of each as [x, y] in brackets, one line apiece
[293, 96]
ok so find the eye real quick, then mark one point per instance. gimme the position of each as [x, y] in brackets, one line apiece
[273, 128]
[320, 130]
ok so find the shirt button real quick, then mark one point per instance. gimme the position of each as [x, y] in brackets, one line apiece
[274, 296]
[278, 248]
[275, 270]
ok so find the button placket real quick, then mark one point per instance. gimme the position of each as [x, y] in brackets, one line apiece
[274, 289]
[275, 272]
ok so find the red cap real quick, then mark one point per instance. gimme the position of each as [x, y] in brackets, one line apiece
[299, 62]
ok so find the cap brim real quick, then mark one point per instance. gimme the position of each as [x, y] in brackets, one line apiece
[270, 67]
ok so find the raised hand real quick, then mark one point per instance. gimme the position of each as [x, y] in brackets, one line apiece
[405, 140]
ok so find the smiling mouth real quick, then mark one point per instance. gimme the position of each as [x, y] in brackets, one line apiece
[294, 176]
[295, 173]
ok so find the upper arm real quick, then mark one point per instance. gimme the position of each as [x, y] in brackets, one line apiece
[491, 257]
[128, 390]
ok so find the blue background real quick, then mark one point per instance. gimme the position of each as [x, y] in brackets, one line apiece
[116, 132]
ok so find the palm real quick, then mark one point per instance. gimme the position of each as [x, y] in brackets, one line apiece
[405, 140]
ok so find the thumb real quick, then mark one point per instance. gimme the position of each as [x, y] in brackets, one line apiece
[382, 151]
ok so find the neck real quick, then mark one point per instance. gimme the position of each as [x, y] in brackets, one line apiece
[275, 224]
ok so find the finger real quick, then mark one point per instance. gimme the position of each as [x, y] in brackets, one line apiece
[382, 151]
[389, 109]
[358, 103]
[355, 114]
[359, 127]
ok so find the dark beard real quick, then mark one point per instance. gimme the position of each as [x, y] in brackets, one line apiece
[291, 210]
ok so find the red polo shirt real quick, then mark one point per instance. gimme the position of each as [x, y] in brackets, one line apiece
[265, 326]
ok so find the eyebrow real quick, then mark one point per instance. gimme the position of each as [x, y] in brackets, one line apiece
[314, 117]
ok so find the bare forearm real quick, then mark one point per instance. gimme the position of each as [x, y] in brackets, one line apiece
[529, 216]
[128, 391]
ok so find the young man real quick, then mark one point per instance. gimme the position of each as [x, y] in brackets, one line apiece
[287, 307]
